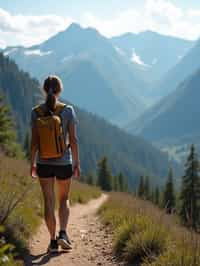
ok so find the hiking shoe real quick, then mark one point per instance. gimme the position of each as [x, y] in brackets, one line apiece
[63, 240]
[53, 246]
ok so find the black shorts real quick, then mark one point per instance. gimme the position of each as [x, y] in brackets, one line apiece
[59, 171]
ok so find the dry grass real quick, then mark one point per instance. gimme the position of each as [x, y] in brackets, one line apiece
[20, 204]
[146, 235]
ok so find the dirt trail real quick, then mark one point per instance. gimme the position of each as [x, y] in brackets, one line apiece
[91, 241]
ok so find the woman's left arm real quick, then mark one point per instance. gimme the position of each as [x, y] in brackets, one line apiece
[73, 140]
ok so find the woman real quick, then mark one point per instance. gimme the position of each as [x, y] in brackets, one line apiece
[59, 169]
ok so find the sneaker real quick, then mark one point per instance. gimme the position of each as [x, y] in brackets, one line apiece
[53, 246]
[63, 240]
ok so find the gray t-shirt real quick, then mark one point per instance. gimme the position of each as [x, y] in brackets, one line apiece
[68, 116]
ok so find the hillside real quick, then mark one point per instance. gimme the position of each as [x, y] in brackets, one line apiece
[146, 49]
[174, 118]
[131, 155]
[145, 235]
[186, 67]
[21, 92]
[102, 64]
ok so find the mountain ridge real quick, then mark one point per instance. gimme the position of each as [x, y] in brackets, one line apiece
[176, 116]
[66, 47]
[181, 71]
[148, 46]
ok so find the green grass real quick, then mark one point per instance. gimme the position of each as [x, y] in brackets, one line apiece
[145, 235]
[82, 193]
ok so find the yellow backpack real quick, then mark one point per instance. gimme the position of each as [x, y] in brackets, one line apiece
[50, 132]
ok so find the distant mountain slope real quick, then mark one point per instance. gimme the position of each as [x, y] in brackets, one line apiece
[21, 92]
[89, 95]
[175, 117]
[131, 155]
[76, 47]
[155, 53]
[189, 64]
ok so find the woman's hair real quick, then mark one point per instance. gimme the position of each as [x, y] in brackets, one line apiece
[52, 86]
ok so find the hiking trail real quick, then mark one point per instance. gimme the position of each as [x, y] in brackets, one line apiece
[92, 243]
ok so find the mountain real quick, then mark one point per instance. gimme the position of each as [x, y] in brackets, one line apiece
[155, 53]
[130, 155]
[175, 117]
[188, 65]
[94, 73]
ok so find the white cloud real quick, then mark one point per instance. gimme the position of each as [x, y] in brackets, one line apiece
[2, 44]
[194, 13]
[161, 16]
[157, 15]
[28, 30]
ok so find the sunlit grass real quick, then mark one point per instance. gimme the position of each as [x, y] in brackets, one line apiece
[145, 235]
[82, 193]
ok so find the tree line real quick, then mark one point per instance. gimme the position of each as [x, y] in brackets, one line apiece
[186, 201]
[104, 178]
[8, 137]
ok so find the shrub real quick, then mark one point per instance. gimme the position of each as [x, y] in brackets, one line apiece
[147, 244]
[6, 257]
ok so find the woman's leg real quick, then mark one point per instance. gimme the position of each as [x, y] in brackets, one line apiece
[47, 185]
[63, 198]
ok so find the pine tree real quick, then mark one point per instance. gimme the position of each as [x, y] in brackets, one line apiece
[157, 196]
[27, 145]
[7, 132]
[115, 185]
[190, 191]
[122, 182]
[152, 194]
[6, 123]
[141, 187]
[90, 179]
[169, 200]
[147, 188]
[104, 175]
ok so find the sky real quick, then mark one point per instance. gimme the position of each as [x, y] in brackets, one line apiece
[26, 23]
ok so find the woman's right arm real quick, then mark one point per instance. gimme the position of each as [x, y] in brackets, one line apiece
[34, 147]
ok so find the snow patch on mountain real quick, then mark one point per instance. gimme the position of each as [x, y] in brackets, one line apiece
[180, 57]
[37, 52]
[66, 58]
[136, 59]
[10, 51]
[119, 50]
[154, 61]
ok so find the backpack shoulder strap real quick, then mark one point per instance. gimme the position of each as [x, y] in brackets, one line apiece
[59, 107]
[39, 111]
